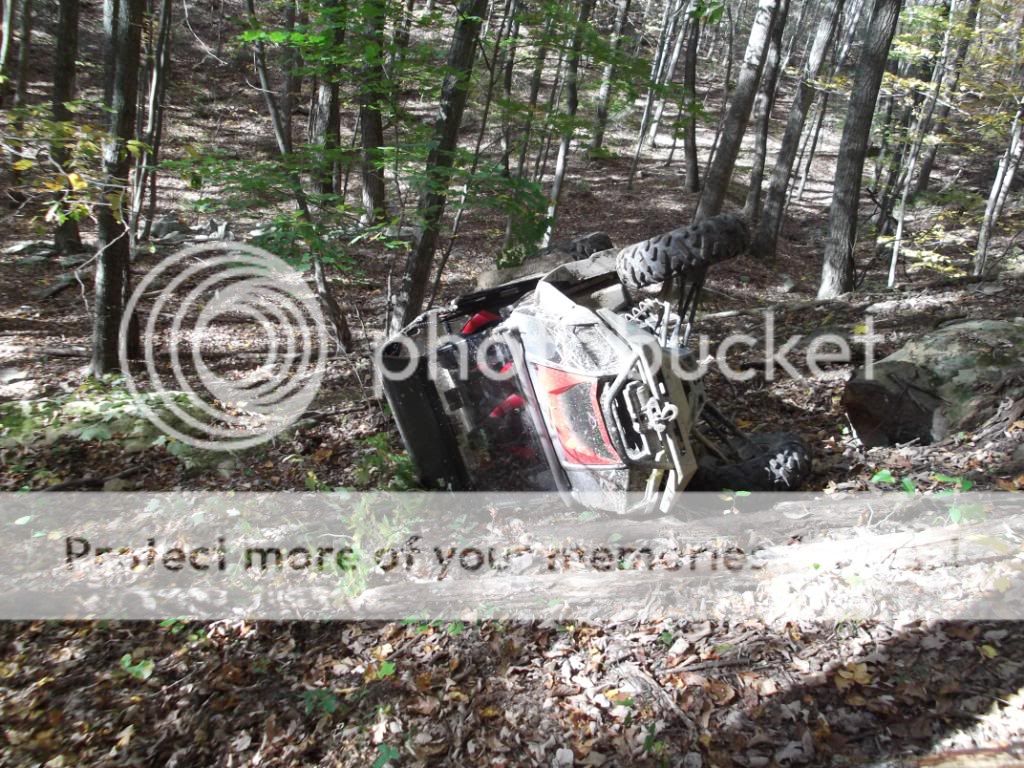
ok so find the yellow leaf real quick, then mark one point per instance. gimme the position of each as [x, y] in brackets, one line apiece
[490, 712]
[23, 165]
[77, 182]
[988, 651]
[53, 186]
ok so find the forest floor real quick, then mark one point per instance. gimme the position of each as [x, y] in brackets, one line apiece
[500, 693]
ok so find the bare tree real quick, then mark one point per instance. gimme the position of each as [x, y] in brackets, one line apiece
[440, 160]
[122, 22]
[735, 125]
[837, 270]
[770, 222]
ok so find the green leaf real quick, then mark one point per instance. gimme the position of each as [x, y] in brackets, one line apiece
[883, 476]
[387, 669]
[140, 671]
[385, 754]
[908, 485]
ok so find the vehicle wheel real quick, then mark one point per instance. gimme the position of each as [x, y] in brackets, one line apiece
[780, 462]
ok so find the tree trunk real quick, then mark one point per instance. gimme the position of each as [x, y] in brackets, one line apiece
[403, 33]
[1008, 165]
[670, 70]
[507, 82]
[152, 130]
[728, 85]
[917, 142]
[24, 53]
[657, 65]
[492, 82]
[6, 37]
[440, 159]
[604, 93]
[325, 115]
[66, 238]
[763, 106]
[292, 79]
[531, 106]
[837, 270]
[572, 104]
[690, 84]
[952, 86]
[122, 21]
[371, 98]
[738, 115]
[335, 317]
[767, 233]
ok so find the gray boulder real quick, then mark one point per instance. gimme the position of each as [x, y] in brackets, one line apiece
[947, 381]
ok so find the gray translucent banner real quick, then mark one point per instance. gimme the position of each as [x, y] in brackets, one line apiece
[774, 557]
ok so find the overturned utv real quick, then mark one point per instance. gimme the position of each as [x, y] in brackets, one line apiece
[578, 382]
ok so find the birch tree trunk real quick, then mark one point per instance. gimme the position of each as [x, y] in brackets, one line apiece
[122, 22]
[440, 160]
[738, 115]
[837, 270]
[767, 234]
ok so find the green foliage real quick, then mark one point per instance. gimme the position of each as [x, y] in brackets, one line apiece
[319, 701]
[141, 670]
[383, 467]
[67, 190]
[385, 754]
[98, 410]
